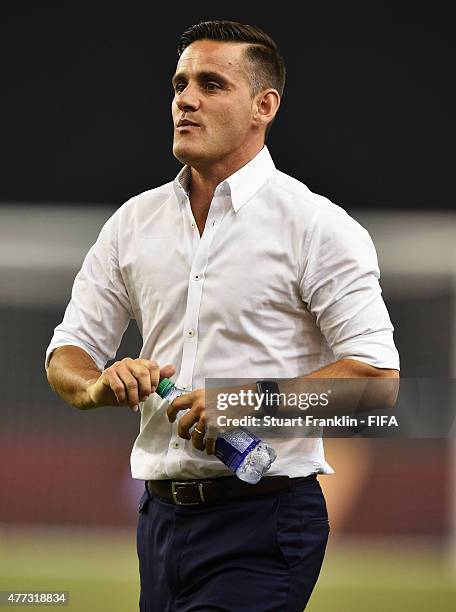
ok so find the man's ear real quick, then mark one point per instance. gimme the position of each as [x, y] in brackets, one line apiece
[267, 104]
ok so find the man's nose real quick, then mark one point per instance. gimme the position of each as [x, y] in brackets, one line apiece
[187, 99]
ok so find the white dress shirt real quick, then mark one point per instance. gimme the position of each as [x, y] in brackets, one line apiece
[281, 283]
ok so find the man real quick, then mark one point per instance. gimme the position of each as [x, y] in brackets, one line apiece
[232, 270]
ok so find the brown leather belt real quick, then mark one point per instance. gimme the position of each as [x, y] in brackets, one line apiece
[194, 492]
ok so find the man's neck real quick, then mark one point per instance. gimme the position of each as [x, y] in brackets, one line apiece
[204, 179]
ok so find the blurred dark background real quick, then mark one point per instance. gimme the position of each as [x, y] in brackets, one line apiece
[366, 118]
[86, 107]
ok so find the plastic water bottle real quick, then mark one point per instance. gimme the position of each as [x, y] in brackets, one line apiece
[238, 448]
[244, 453]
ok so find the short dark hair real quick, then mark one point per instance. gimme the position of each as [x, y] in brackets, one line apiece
[267, 65]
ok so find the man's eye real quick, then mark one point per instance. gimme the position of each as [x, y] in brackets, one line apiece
[179, 87]
[212, 86]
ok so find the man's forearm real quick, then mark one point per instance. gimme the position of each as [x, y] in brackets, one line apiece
[348, 386]
[70, 371]
[74, 376]
[353, 385]
[351, 368]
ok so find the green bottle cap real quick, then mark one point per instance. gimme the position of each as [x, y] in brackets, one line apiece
[164, 387]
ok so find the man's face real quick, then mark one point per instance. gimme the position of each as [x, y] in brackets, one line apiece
[212, 91]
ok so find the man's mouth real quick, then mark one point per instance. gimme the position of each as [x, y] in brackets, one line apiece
[185, 123]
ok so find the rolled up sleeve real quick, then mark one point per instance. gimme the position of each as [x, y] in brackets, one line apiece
[340, 285]
[99, 310]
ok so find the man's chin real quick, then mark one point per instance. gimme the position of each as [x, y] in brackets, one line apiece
[187, 155]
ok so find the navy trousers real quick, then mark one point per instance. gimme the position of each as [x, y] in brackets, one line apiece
[259, 554]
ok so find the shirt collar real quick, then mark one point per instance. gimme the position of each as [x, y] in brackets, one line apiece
[181, 183]
[241, 186]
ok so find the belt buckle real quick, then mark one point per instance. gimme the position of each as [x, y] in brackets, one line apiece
[175, 491]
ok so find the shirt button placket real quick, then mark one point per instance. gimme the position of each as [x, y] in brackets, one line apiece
[195, 290]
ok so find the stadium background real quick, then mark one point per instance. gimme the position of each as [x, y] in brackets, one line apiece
[366, 120]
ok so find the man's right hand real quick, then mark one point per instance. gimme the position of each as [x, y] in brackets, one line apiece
[127, 382]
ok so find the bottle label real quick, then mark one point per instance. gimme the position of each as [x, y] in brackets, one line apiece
[233, 446]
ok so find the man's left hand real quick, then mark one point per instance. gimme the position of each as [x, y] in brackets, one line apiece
[195, 403]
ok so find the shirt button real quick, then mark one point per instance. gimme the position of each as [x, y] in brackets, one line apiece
[193, 225]
[190, 333]
[175, 444]
[196, 277]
